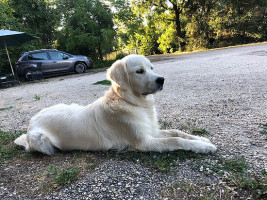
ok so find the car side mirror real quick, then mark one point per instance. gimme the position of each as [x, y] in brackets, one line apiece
[65, 57]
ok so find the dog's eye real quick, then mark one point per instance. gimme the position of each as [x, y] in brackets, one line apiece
[140, 71]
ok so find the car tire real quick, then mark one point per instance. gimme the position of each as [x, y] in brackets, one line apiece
[27, 73]
[80, 68]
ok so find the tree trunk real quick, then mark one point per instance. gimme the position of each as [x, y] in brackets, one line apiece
[178, 26]
[177, 21]
[100, 55]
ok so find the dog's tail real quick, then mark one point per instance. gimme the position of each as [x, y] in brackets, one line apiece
[35, 142]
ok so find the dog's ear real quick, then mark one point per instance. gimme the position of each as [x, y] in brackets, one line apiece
[117, 75]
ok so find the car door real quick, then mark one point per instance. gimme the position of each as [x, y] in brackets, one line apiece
[39, 59]
[59, 61]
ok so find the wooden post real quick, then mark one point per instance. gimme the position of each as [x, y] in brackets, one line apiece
[9, 58]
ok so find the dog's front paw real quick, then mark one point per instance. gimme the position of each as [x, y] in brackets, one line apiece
[203, 147]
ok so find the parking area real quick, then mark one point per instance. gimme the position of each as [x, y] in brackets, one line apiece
[223, 91]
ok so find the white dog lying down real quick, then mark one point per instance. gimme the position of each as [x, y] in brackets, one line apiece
[124, 117]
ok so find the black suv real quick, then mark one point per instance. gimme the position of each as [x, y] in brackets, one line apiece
[50, 61]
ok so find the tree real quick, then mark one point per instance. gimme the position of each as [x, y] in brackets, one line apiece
[175, 9]
[37, 17]
[87, 28]
[7, 19]
[136, 27]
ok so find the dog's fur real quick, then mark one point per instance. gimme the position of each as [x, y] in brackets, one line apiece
[124, 118]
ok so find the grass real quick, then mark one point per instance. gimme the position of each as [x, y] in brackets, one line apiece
[108, 61]
[236, 165]
[257, 187]
[103, 82]
[187, 190]
[104, 63]
[236, 183]
[8, 150]
[159, 161]
[37, 97]
[63, 176]
[220, 165]
[7, 108]
[236, 188]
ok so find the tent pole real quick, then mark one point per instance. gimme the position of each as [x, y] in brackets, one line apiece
[9, 58]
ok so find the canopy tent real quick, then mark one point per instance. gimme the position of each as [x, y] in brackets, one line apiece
[13, 38]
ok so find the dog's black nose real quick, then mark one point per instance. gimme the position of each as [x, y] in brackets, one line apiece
[160, 80]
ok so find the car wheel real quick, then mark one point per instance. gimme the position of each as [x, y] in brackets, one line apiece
[80, 68]
[28, 74]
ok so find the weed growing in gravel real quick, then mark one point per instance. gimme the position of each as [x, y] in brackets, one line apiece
[160, 161]
[7, 108]
[258, 188]
[166, 125]
[220, 165]
[7, 148]
[236, 165]
[264, 129]
[37, 97]
[199, 131]
[187, 190]
[63, 176]
[205, 191]
[104, 82]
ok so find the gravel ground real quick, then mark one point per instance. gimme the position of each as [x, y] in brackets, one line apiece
[223, 91]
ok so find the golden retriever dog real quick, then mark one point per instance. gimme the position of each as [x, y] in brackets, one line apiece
[124, 118]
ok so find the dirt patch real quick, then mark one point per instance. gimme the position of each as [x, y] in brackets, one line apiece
[28, 176]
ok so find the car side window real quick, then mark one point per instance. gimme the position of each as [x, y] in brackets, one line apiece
[38, 56]
[65, 56]
[56, 55]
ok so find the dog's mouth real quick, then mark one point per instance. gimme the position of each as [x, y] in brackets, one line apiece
[160, 87]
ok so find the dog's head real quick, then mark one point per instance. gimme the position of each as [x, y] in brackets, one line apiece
[134, 72]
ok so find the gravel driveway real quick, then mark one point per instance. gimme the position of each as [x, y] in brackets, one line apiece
[223, 91]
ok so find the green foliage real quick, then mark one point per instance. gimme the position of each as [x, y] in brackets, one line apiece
[87, 28]
[167, 26]
[7, 148]
[37, 97]
[6, 108]
[39, 18]
[263, 129]
[256, 187]
[199, 131]
[63, 176]
[159, 161]
[104, 82]
[166, 40]
[236, 165]
[242, 187]
[90, 28]
[166, 125]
